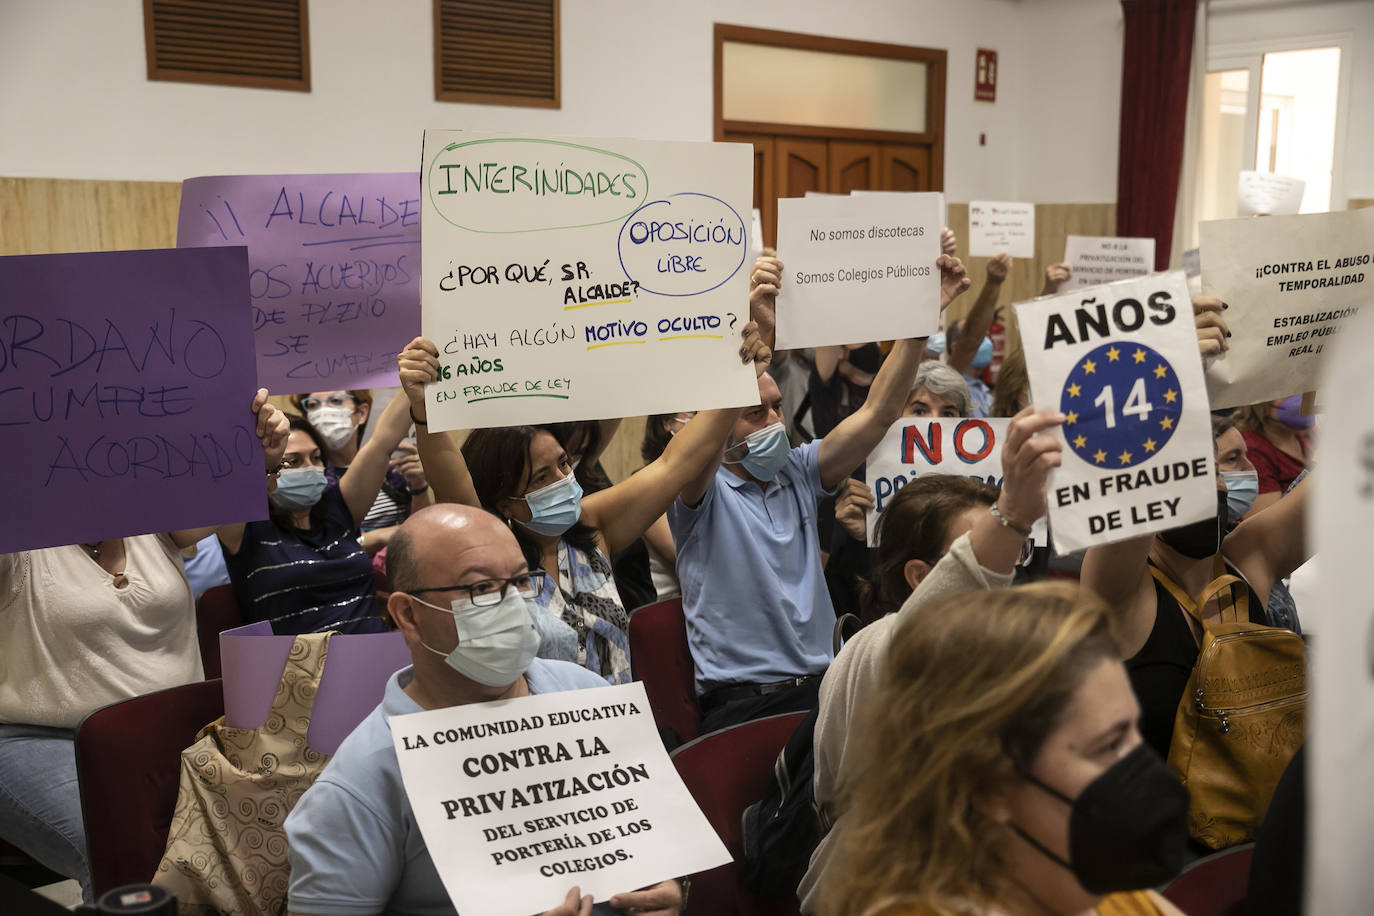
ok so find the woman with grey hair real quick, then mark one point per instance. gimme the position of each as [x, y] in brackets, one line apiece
[940, 391]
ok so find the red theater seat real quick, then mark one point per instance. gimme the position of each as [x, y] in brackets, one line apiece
[661, 659]
[128, 763]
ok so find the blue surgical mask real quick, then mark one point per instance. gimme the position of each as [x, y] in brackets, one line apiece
[984, 354]
[298, 488]
[935, 344]
[1241, 489]
[768, 449]
[495, 644]
[554, 508]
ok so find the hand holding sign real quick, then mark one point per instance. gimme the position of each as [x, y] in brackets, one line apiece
[1211, 327]
[953, 279]
[1056, 275]
[1027, 460]
[764, 281]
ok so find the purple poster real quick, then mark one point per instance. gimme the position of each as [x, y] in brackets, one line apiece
[126, 389]
[334, 270]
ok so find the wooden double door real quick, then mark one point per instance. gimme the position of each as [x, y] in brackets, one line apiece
[788, 166]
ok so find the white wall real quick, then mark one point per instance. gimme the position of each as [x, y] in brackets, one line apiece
[1233, 22]
[77, 103]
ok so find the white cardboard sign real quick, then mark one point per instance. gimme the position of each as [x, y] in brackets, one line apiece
[858, 268]
[1096, 260]
[1265, 194]
[998, 226]
[920, 446]
[519, 800]
[557, 271]
[1121, 362]
[1341, 712]
[1292, 284]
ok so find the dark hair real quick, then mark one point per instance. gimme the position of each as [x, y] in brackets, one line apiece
[499, 461]
[402, 573]
[590, 475]
[1012, 382]
[281, 517]
[656, 436]
[914, 525]
[1223, 421]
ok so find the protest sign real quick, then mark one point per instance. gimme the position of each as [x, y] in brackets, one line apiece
[1121, 362]
[334, 270]
[1093, 261]
[1341, 711]
[859, 268]
[518, 800]
[995, 227]
[756, 234]
[1292, 284]
[920, 446]
[128, 378]
[1263, 194]
[356, 670]
[582, 279]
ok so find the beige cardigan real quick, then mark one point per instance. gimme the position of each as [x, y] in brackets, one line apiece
[853, 677]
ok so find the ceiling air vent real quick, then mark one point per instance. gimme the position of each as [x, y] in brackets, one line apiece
[259, 43]
[496, 52]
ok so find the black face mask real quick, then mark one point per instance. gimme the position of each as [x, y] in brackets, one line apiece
[1199, 540]
[1128, 829]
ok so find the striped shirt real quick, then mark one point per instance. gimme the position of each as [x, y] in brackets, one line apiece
[306, 580]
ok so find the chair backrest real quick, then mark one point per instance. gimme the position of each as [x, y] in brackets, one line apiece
[727, 771]
[216, 611]
[1214, 885]
[662, 660]
[128, 764]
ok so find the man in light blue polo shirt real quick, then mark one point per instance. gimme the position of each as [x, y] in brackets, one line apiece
[759, 619]
[353, 843]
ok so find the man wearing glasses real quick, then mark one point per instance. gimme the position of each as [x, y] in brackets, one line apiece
[463, 597]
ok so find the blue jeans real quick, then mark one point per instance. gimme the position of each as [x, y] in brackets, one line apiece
[40, 803]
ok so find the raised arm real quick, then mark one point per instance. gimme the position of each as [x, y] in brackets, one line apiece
[1027, 460]
[979, 318]
[764, 281]
[850, 443]
[625, 511]
[1120, 575]
[1268, 545]
[360, 486]
[448, 473]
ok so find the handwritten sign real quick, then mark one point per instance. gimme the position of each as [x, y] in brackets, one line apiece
[334, 270]
[1292, 284]
[756, 234]
[859, 268]
[1342, 706]
[1001, 226]
[1121, 363]
[582, 279]
[1096, 260]
[126, 379]
[921, 446]
[519, 800]
[1263, 194]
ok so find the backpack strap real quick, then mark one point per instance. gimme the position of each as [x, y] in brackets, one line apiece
[1221, 585]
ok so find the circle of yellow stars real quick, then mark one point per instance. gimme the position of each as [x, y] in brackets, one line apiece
[1137, 376]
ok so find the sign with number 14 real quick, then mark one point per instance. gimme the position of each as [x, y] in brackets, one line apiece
[1121, 363]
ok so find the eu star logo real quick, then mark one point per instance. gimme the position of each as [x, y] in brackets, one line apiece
[1124, 401]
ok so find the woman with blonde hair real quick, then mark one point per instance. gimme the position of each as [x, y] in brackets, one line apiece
[1001, 770]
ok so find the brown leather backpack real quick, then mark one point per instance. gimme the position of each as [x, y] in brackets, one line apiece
[1241, 718]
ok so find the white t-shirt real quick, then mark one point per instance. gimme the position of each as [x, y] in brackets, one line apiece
[72, 642]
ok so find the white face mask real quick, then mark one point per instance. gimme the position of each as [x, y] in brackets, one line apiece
[334, 424]
[495, 643]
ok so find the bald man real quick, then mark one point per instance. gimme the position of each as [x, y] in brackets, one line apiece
[354, 846]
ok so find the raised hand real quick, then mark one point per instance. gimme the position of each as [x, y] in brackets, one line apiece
[1056, 275]
[999, 267]
[852, 505]
[418, 365]
[272, 427]
[1212, 332]
[953, 279]
[1027, 460]
[764, 281]
[754, 349]
[949, 242]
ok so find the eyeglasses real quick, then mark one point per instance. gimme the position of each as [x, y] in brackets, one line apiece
[334, 400]
[487, 592]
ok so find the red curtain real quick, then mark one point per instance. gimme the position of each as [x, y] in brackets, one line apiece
[1156, 61]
